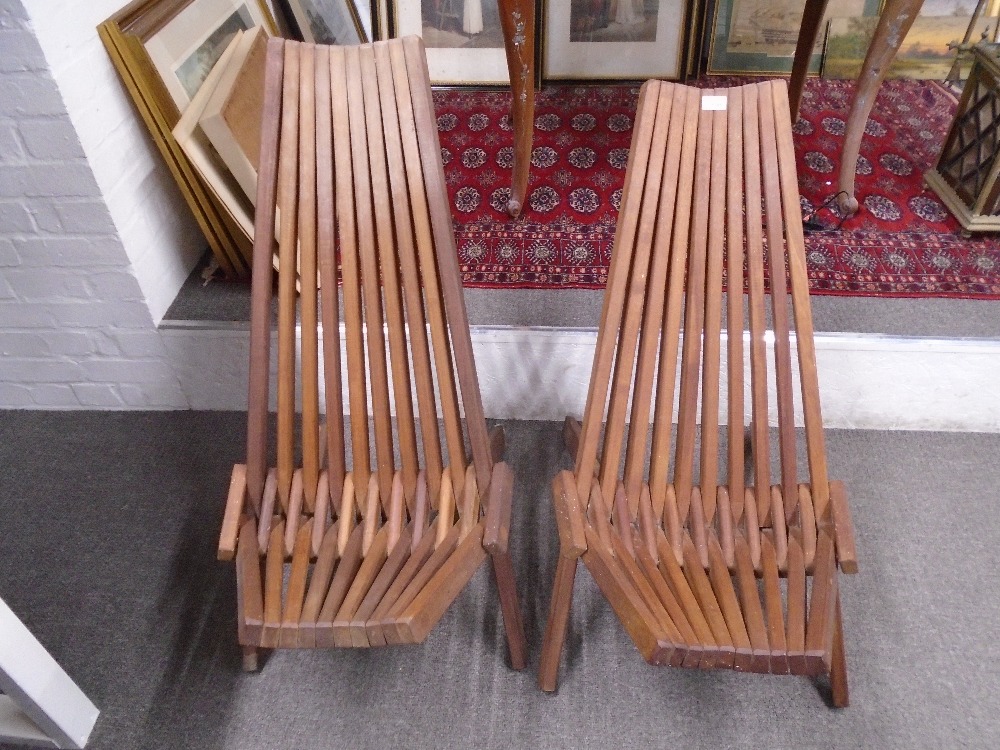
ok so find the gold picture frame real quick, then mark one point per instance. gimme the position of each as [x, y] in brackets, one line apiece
[125, 36]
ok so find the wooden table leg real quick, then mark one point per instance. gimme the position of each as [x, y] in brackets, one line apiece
[808, 32]
[517, 19]
[895, 21]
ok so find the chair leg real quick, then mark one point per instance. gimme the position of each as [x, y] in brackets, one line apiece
[571, 436]
[503, 573]
[555, 630]
[838, 669]
[498, 443]
[250, 663]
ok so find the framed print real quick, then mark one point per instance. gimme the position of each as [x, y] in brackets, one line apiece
[596, 39]
[759, 36]
[186, 48]
[330, 21]
[463, 38]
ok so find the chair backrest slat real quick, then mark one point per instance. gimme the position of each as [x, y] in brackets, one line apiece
[779, 312]
[307, 274]
[347, 236]
[426, 241]
[447, 257]
[618, 278]
[671, 110]
[712, 356]
[260, 294]
[367, 180]
[734, 303]
[760, 439]
[327, 259]
[808, 373]
[288, 169]
[393, 211]
[635, 302]
[355, 167]
[694, 315]
[718, 176]
[732, 500]
[663, 496]
[410, 210]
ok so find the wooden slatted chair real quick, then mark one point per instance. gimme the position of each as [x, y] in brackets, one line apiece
[373, 554]
[706, 567]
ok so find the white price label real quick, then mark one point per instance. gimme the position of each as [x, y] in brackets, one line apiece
[714, 103]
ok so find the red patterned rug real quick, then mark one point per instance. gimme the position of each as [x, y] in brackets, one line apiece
[902, 243]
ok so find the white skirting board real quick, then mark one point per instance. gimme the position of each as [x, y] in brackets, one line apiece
[867, 381]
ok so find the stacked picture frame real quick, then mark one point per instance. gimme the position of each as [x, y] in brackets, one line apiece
[165, 50]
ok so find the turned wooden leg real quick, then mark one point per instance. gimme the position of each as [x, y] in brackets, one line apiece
[895, 21]
[555, 629]
[808, 32]
[250, 663]
[838, 668]
[503, 573]
[517, 20]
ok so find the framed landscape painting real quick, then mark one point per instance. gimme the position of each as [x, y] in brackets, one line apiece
[759, 36]
[925, 52]
[614, 39]
[463, 39]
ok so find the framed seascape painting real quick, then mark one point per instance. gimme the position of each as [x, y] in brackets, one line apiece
[331, 21]
[463, 38]
[598, 39]
[759, 36]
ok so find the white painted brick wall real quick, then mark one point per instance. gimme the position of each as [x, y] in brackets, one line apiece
[76, 328]
[159, 235]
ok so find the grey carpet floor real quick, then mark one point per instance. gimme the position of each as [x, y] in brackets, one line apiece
[108, 524]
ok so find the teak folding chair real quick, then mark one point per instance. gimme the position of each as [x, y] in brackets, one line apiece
[373, 554]
[706, 568]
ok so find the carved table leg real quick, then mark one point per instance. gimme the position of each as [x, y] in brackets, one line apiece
[517, 19]
[895, 21]
[808, 32]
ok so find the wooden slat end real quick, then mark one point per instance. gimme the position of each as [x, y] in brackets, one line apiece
[569, 517]
[234, 510]
[498, 509]
[843, 528]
